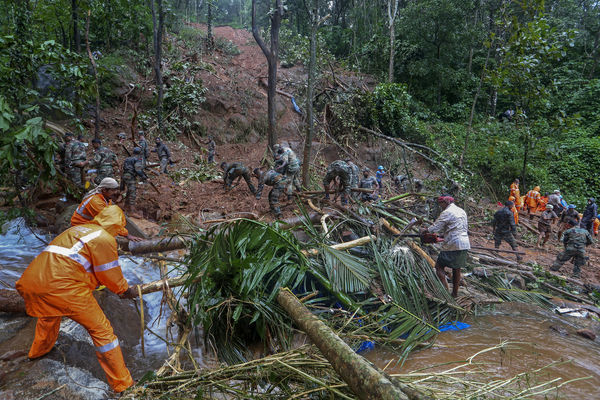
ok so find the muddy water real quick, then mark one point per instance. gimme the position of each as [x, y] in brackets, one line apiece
[539, 346]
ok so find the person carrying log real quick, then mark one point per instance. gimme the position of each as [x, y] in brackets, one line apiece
[338, 169]
[505, 228]
[235, 170]
[368, 182]
[575, 240]
[532, 199]
[277, 181]
[547, 218]
[59, 283]
[453, 225]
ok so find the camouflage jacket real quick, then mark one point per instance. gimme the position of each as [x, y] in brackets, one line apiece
[575, 239]
[211, 145]
[104, 157]
[504, 221]
[143, 144]
[355, 174]
[133, 166]
[74, 153]
[341, 167]
[269, 178]
[163, 151]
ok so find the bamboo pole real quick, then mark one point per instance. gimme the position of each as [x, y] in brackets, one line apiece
[343, 246]
[365, 380]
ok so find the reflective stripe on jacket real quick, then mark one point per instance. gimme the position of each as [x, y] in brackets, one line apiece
[90, 207]
[60, 280]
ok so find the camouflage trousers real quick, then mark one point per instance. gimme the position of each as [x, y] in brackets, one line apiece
[274, 195]
[578, 257]
[292, 176]
[508, 237]
[74, 174]
[211, 156]
[131, 185]
[163, 165]
[104, 172]
[344, 181]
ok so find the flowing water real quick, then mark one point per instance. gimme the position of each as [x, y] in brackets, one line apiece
[19, 246]
[544, 337]
[531, 326]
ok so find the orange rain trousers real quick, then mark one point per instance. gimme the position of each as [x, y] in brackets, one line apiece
[99, 328]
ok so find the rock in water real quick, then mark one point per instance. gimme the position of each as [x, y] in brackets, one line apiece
[586, 333]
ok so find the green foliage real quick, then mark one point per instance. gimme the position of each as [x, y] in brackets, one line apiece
[201, 172]
[242, 265]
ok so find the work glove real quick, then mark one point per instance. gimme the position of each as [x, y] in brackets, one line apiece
[130, 293]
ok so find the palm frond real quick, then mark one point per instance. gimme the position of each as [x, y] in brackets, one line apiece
[347, 273]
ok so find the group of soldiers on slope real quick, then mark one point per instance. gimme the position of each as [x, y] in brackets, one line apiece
[575, 229]
[105, 162]
[343, 175]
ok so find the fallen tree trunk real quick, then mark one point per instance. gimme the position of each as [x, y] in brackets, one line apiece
[343, 246]
[155, 245]
[365, 380]
[492, 249]
[12, 302]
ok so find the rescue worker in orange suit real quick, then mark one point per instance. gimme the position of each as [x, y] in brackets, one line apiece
[95, 201]
[542, 203]
[596, 225]
[532, 199]
[514, 192]
[59, 283]
[514, 210]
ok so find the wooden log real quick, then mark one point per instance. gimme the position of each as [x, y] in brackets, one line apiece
[343, 246]
[160, 244]
[11, 302]
[529, 227]
[496, 260]
[363, 378]
[565, 293]
[498, 250]
[415, 247]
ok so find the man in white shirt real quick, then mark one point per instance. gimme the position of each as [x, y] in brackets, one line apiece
[453, 227]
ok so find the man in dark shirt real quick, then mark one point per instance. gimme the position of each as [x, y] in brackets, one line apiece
[504, 227]
[589, 215]
[575, 240]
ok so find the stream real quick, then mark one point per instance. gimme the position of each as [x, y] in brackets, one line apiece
[544, 337]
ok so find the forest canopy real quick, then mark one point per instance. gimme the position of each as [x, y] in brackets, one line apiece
[446, 70]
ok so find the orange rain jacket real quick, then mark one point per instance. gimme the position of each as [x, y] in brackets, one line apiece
[514, 192]
[60, 280]
[542, 202]
[514, 210]
[532, 198]
[89, 207]
[596, 226]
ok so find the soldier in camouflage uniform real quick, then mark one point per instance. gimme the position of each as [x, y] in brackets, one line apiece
[132, 169]
[504, 227]
[103, 161]
[144, 146]
[287, 163]
[211, 146]
[575, 240]
[355, 180]
[277, 181]
[164, 155]
[368, 182]
[236, 170]
[338, 169]
[75, 159]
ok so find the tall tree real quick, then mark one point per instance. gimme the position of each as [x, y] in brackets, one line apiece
[272, 56]
[210, 40]
[75, 16]
[157, 39]
[392, 12]
[315, 22]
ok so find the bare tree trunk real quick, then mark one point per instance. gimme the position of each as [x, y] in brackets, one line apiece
[76, 36]
[95, 72]
[392, 14]
[595, 52]
[310, 92]
[210, 40]
[272, 56]
[157, 36]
